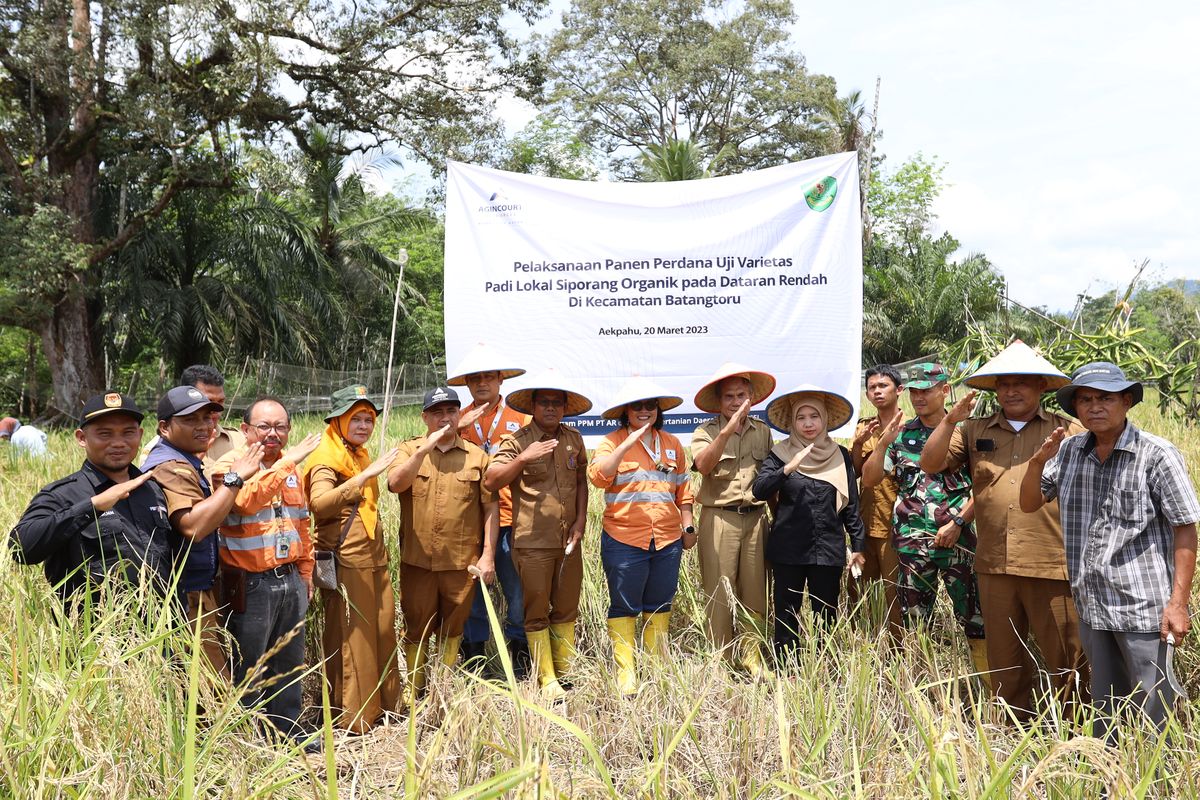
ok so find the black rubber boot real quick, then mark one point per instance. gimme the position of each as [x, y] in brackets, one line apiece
[473, 656]
[518, 650]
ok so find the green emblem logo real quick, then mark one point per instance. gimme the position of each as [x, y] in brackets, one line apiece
[820, 195]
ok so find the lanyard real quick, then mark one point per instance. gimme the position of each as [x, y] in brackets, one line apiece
[486, 441]
[656, 453]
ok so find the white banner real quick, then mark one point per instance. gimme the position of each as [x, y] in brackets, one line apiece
[666, 280]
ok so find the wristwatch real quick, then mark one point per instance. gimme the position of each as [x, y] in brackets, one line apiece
[959, 521]
[689, 530]
[232, 481]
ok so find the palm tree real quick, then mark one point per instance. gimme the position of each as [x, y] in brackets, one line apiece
[679, 160]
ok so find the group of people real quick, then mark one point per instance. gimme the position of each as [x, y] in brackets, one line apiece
[241, 528]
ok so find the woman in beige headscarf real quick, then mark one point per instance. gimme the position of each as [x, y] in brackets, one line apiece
[813, 480]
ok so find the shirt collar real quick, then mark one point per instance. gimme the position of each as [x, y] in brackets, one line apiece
[914, 424]
[998, 419]
[98, 479]
[1127, 441]
[188, 457]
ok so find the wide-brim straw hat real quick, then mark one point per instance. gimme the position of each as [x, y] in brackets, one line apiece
[1017, 359]
[548, 381]
[761, 386]
[639, 388]
[779, 410]
[483, 358]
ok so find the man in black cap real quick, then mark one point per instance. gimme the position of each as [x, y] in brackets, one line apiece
[105, 520]
[1129, 516]
[186, 420]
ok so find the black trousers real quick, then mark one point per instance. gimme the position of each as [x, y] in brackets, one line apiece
[823, 584]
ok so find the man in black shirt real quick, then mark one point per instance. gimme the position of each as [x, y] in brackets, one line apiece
[104, 520]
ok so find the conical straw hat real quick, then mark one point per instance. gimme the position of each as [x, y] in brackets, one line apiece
[548, 380]
[482, 358]
[779, 410]
[761, 386]
[1017, 359]
[639, 388]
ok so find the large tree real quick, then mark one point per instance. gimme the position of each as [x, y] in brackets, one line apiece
[104, 107]
[637, 74]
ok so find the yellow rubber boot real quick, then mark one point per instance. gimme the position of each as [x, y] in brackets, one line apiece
[543, 662]
[980, 660]
[562, 647]
[656, 633]
[751, 660]
[414, 662]
[623, 633]
[450, 648]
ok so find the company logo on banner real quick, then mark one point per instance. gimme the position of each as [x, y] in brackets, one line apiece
[604, 281]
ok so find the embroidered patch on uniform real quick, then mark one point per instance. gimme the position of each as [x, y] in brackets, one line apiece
[360, 391]
[109, 513]
[291, 482]
[512, 426]
[112, 400]
[670, 453]
[571, 461]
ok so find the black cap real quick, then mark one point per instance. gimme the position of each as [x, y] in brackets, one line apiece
[442, 394]
[101, 405]
[184, 400]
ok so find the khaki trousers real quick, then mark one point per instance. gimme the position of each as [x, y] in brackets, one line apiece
[434, 602]
[882, 566]
[551, 582]
[212, 632]
[1015, 605]
[731, 554]
[360, 650]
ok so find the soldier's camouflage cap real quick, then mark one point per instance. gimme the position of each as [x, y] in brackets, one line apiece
[925, 375]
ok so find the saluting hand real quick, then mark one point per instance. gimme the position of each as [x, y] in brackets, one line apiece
[248, 464]
[963, 408]
[892, 429]
[376, 467]
[794, 464]
[868, 430]
[537, 450]
[1049, 448]
[115, 494]
[739, 417]
[433, 439]
[471, 417]
[298, 453]
[639, 433]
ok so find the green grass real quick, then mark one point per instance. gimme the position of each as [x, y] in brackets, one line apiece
[105, 710]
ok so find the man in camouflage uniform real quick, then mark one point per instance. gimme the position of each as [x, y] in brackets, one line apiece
[932, 531]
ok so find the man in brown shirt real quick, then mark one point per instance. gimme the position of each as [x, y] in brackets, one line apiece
[1020, 559]
[211, 384]
[545, 465]
[877, 504]
[186, 418]
[727, 451]
[444, 506]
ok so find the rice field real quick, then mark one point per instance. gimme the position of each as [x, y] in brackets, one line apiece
[112, 709]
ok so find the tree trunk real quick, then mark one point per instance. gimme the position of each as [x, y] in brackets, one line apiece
[67, 339]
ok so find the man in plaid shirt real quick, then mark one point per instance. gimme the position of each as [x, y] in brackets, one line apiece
[1129, 516]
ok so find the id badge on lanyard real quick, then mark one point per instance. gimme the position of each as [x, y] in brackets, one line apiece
[486, 441]
[283, 539]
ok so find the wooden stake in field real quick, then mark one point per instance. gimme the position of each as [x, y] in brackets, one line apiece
[402, 258]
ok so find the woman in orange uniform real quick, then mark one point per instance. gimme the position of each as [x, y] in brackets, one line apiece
[647, 520]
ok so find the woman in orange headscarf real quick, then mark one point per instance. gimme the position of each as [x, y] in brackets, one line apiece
[359, 641]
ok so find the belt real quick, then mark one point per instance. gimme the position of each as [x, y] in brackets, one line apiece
[282, 571]
[741, 509]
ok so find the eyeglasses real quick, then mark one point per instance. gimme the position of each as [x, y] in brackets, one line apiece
[264, 428]
[643, 405]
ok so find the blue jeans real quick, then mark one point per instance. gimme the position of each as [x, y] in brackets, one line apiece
[639, 581]
[275, 605]
[477, 628]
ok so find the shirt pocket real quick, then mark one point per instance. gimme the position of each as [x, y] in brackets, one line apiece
[725, 469]
[466, 482]
[421, 481]
[1131, 508]
[103, 540]
[536, 470]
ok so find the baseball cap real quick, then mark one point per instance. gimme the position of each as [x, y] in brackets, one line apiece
[442, 394]
[100, 405]
[925, 375]
[184, 400]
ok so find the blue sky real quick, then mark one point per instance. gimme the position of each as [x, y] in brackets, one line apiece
[1066, 128]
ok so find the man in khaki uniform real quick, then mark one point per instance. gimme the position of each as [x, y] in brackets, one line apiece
[1020, 559]
[545, 465]
[728, 451]
[878, 503]
[444, 506]
[211, 384]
